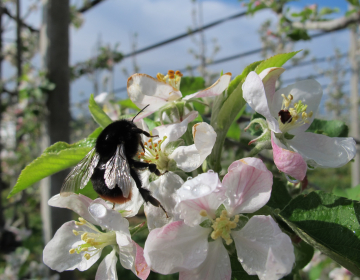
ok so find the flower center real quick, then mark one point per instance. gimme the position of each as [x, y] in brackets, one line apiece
[290, 118]
[172, 78]
[93, 241]
[154, 154]
[222, 226]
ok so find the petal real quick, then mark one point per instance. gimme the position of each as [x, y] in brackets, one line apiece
[76, 202]
[263, 249]
[325, 151]
[108, 218]
[269, 77]
[102, 98]
[141, 267]
[204, 192]
[176, 247]
[308, 91]
[131, 208]
[204, 139]
[144, 90]
[215, 267]
[248, 186]
[217, 88]
[255, 95]
[56, 253]
[132, 257]
[287, 161]
[174, 131]
[107, 268]
[187, 158]
[163, 189]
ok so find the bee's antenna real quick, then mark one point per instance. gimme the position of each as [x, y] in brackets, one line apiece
[140, 112]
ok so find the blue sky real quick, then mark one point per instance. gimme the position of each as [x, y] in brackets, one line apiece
[157, 20]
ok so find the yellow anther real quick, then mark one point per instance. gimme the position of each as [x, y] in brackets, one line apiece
[160, 77]
[90, 241]
[84, 249]
[87, 256]
[72, 251]
[76, 233]
[155, 145]
[145, 144]
[82, 220]
[203, 213]
[310, 114]
[142, 153]
[150, 147]
[178, 73]
[84, 236]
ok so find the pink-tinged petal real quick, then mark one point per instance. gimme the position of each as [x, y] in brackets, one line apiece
[56, 253]
[109, 219]
[323, 150]
[144, 89]
[204, 192]
[215, 267]
[107, 268]
[174, 131]
[141, 267]
[255, 95]
[248, 186]
[263, 249]
[176, 247]
[269, 77]
[287, 161]
[308, 91]
[254, 162]
[76, 202]
[217, 88]
[163, 189]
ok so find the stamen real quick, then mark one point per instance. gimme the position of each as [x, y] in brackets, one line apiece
[72, 251]
[203, 213]
[223, 226]
[87, 256]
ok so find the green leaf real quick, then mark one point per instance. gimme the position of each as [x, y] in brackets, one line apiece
[57, 157]
[329, 223]
[354, 2]
[333, 128]
[275, 61]
[191, 85]
[98, 114]
[280, 196]
[303, 254]
[234, 131]
[352, 193]
[127, 103]
[298, 34]
[238, 80]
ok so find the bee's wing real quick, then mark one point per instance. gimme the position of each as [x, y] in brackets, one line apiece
[81, 173]
[117, 172]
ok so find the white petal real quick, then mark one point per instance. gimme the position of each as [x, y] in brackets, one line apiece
[263, 249]
[204, 192]
[187, 158]
[145, 90]
[215, 267]
[108, 218]
[248, 186]
[217, 88]
[131, 208]
[76, 202]
[269, 77]
[163, 189]
[176, 247]
[254, 94]
[204, 139]
[107, 268]
[56, 253]
[174, 131]
[102, 98]
[308, 91]
[325, 151]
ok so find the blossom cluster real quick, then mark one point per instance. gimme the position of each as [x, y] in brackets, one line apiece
[208, 221]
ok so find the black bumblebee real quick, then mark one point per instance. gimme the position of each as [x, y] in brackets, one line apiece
[110, 165]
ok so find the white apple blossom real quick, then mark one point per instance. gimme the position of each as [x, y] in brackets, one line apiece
[169, 154]
[289, 113]
[78, 244]
[183, 246]
[164, 92]
[110, 108]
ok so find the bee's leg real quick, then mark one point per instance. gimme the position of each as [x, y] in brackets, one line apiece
[147, 134]
[142, 146]
[152, 167]
[144, 192]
